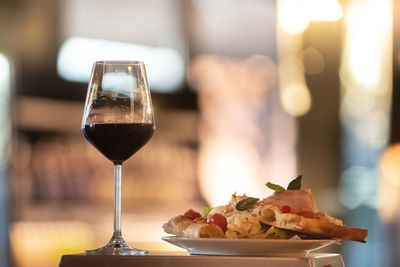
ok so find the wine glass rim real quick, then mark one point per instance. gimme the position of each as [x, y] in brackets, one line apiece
[119, 62]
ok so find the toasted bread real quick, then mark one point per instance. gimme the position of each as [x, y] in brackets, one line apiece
[182, 226]
[323, 226]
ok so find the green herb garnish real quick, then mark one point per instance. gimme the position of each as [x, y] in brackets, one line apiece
[246, 203]
[205, 211]
[295, 184]
[277, 188]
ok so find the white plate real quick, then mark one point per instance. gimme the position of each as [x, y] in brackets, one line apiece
[247, 247]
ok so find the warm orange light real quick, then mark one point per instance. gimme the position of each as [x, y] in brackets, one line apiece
[35, 244]
[368, 30]
[296, 99]
[389, 184]
[237, 122]
[365, 71]
[324, 10]
[294, 16]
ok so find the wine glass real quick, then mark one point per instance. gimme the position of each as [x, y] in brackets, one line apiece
[118, 120]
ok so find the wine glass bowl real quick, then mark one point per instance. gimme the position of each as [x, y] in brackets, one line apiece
[118, 120]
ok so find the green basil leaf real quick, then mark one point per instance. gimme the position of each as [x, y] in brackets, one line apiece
[276, 233]
[205, 211]
[246, 203]
[295, 184]
[277, 188]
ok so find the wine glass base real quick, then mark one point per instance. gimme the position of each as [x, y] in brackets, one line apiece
[117, 246]
[118, 251]
[121, 251]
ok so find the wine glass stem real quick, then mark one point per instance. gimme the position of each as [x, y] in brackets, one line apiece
[117, 199]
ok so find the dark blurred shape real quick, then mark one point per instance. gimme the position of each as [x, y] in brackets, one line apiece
[319, 129]
[395, 122]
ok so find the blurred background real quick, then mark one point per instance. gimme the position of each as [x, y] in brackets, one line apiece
[244, 92]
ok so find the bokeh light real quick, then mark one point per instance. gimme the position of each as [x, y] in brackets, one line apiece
[165, 66]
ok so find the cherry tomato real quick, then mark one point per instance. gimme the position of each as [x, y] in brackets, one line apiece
[286, 209]
[191, 214]
[200, 220]
[219, 220]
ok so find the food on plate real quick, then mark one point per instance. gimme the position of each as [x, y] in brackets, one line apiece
[289, 213]
[184, 226]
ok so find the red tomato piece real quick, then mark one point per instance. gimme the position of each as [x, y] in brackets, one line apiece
[191, 214]
[286, 209]
[219, 220]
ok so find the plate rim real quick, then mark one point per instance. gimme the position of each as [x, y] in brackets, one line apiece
[244, 240]
[239, 247]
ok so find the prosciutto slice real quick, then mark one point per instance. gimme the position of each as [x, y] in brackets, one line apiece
[299, 201]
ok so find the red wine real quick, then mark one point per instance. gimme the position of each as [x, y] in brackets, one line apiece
[118, 141]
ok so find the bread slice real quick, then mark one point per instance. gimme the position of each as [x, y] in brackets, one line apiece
[324, 225]
[182, 226]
